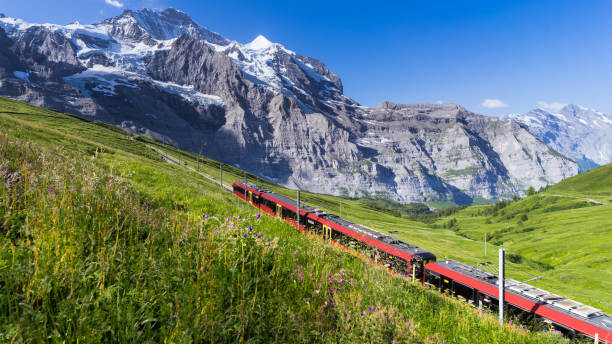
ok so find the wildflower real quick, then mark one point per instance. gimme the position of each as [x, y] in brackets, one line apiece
[329, 280]
[294, 252]
[340, 280]
[258, 216]
[351, 281]
[244, 235]
[362, 314]
[206, 217]
[258, 236]
[317, 291]
[239, 217]
[387, 319]
[250, 229]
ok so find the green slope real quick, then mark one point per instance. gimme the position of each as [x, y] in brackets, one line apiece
[595, 184]
[102, 241]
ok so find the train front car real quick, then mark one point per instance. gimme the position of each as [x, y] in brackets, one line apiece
[481, 288]
[396, 255]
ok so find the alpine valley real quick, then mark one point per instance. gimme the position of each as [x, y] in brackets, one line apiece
[268, 110]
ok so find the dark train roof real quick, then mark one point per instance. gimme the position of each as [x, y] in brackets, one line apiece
[558, 303]
[361, 229]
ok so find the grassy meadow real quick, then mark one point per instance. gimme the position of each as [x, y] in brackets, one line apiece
[102, 241]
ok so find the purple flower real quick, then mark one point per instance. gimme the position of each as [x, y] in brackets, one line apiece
[387, 319]
[244, 235]
[206, 216]
[294, 253]
[362, 314]
[258, 216]
[258, 236]
[239, 217]
[250, 229]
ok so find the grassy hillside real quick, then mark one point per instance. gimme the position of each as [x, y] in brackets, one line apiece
[102, 241]
[595, 184]
[559, 234]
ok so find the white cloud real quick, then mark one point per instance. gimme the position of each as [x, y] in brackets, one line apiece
[493, 103]
[552, 107]
[114, 3]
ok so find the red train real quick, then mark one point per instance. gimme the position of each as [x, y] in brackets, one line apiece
[476, 286]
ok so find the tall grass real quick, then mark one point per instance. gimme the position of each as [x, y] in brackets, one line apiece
[87, 256]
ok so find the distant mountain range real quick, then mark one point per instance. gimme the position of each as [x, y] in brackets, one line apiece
[583, 134]
[267, 109]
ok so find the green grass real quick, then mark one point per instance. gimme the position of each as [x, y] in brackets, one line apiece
[103, 241]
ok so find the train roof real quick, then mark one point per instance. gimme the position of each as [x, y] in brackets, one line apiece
[361, 229]
[379, 236]
[558, 303]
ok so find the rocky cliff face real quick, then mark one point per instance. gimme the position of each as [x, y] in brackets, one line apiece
[578, 132]
[267, 109]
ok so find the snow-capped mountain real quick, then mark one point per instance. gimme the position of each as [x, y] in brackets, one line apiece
[583, 134]
[273, 111]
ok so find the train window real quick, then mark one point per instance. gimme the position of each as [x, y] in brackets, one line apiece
[238, 189]
[269, 204]
[463, 291]
[432, 278]
[289, 214]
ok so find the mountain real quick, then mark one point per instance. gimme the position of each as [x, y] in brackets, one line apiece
[577, 132]
[267, 109]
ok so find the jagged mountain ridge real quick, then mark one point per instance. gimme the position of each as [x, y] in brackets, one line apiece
[576, 131]
[267, 109]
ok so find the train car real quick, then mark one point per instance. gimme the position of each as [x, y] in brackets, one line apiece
[481, 288]
[401, 257]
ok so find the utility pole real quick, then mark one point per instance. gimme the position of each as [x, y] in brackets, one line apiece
[200, 154]
[501, 281]
[298, 210]
[485, 244]
[221, 173]
[245, 187]
[340, 207]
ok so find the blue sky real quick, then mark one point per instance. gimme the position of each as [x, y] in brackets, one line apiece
[492, 57]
